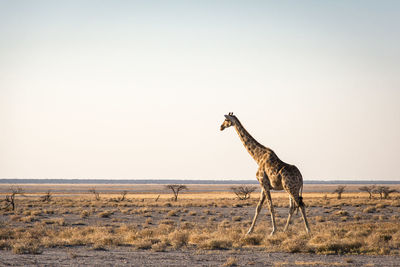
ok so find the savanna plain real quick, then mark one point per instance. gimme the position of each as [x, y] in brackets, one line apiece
[142, 225]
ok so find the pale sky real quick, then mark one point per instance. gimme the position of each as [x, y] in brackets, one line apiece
[138, 90]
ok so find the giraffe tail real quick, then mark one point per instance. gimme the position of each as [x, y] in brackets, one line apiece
[301, 203]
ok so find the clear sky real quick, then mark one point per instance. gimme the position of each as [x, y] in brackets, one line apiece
[138, 89]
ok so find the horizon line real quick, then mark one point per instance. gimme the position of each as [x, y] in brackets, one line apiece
[202, 179]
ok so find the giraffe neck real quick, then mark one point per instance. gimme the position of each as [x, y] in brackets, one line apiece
[254, 148]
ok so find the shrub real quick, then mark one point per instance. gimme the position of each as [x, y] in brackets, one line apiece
[342, 213]
[339, 191]
[167, 222]
[237, 218]
[159, 247]
[231, 261]
[215, 244]
[143, 244]
[105, 214]
[179, 238]
[172, 213]
[84, 214]
[252, 240]
[26, 247]
[243, 192]
[369, 210]
[338, 246]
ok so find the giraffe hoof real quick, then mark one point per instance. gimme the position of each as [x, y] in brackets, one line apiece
[272, 233]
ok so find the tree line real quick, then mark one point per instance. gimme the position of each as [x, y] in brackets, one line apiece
[383, 191]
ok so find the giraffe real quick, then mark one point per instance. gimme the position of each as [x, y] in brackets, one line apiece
[272, 173]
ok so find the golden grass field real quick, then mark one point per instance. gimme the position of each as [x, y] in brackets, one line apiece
[213, 220]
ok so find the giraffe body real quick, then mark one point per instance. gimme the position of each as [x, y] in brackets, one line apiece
[272, 174]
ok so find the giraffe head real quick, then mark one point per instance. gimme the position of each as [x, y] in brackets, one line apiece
[229, 121]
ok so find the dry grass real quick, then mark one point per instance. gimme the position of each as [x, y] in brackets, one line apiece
[84, 214]
[231, 261]
[352, 225]
[26, 247]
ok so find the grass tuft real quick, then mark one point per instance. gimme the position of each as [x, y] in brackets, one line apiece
[26, 247]
[216, 244]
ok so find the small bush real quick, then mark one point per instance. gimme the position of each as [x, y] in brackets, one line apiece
[369, 210]
[99, 246]
[342, 213]
[84, 214]
[159, 247]
[105, 214]
[143, 244]
[380, 206]
[179, 238]
[167, 222]
[216, 244]
[237, 218]
[207, 212]
[231, 261]
[252, 240]
[172, 213]
[187, 225]
[28, 219]
[26, 247]
[336, 244]
[396, 203]
[295, 245]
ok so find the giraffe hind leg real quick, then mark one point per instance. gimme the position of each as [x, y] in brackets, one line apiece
[300, 205]
[303, 214]
[292, 207]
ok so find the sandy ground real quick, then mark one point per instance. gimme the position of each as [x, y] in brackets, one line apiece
[128, 256]
[81, 256]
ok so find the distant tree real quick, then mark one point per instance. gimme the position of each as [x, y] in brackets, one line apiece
[384, 191]
[47, 197]
[379, 190]
[123, 195]
[387, 191]
[95, 193]
[369, 189]
[339, 191]
[176, 188]
[10, 198]
[243, 192]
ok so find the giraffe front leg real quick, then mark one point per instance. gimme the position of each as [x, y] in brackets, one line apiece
[259, 206]
[271, 209]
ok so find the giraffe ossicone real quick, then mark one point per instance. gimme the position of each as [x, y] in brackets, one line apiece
[272, 174]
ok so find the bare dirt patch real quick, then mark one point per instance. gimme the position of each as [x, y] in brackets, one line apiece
[82, 256]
